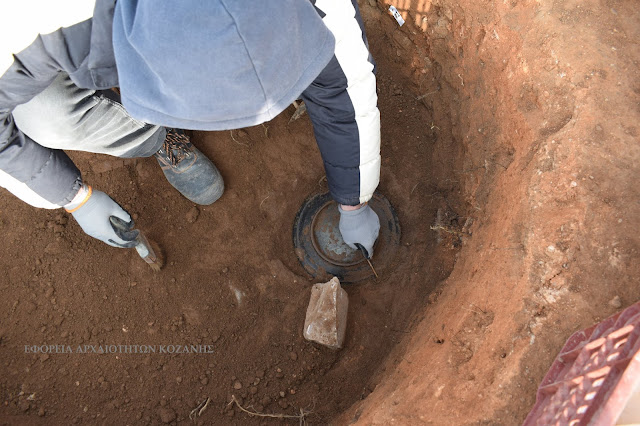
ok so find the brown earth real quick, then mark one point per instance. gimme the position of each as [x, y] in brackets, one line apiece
[510, 150]
[543, 100]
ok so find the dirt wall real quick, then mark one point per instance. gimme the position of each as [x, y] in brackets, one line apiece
[541, 99]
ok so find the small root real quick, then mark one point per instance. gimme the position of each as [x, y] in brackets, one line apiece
[426, 94]
[303, 413]
[484, 311]
[237, 141]
[262, 202]
[197, 412]
[447, 230]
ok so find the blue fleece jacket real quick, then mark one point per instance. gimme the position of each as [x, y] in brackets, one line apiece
[218, 64]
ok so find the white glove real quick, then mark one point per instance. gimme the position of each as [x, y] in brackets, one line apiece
[97, 213]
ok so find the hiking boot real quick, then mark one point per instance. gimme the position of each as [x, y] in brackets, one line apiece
[188, 169]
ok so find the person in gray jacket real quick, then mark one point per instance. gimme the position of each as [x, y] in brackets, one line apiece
[233, 64]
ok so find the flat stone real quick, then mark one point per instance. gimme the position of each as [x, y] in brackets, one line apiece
[326, 320]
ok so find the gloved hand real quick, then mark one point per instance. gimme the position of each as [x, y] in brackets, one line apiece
[359, 226]
[97, 214]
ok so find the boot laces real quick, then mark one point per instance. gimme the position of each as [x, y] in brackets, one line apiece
[176, 145]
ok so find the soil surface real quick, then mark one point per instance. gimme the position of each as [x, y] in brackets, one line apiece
[232, 281]
[510, 152]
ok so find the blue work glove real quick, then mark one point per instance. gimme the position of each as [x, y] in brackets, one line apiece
[359, 227]
[96, 213]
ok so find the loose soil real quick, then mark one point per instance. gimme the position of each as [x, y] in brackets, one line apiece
[509, 150]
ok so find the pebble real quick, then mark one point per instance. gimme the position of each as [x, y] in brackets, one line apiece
[56, 248]
[204, 381]
[192, 214]
[167, 415]
[237, 385]
[615, 302]
[41, 412]
[253, 390]
[293, 356]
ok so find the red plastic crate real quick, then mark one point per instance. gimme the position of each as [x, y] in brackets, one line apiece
[594, 376]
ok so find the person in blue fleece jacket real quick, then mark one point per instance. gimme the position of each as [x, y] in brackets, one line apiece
[235, 63]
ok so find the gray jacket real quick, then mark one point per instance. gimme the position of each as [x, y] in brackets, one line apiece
[85, 52]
